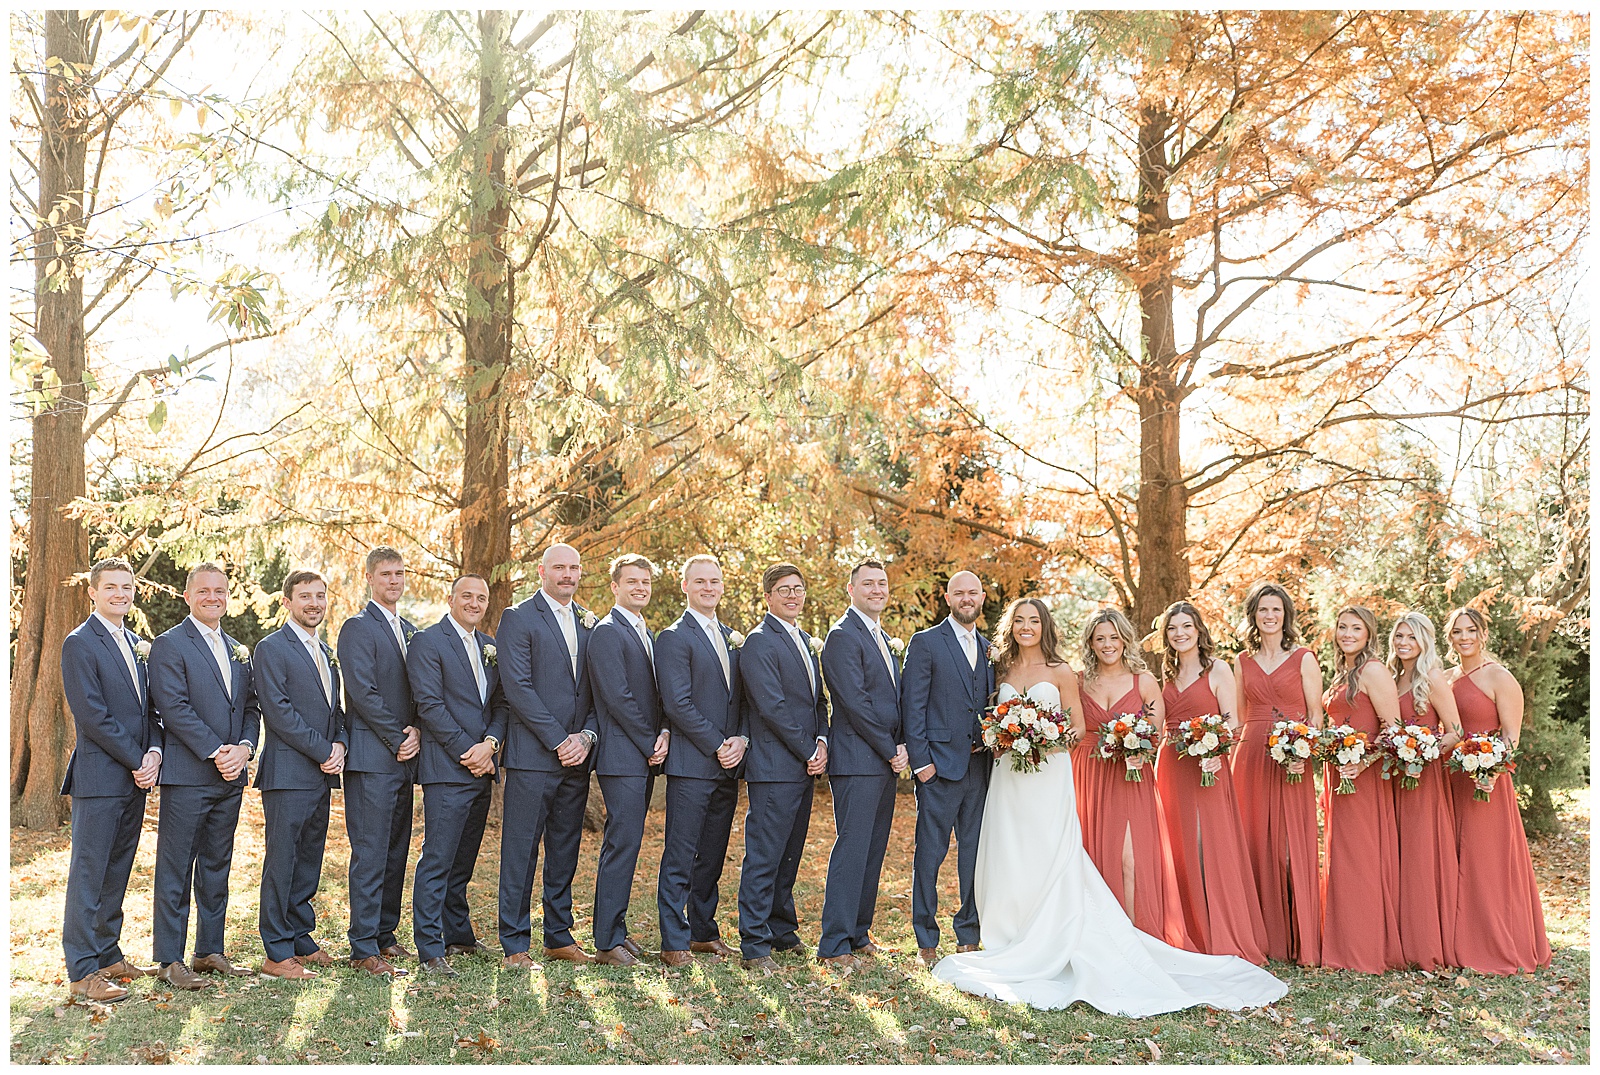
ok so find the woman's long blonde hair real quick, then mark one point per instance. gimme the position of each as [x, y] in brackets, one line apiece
[1131, 657]
[1428, 660]
[1349, 676]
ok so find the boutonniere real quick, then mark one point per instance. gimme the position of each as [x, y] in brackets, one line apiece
[409, 631]
[490, 655]
[735, 640]
[815, 643]
[994, 653]
[588, 620]
[141, 651]
[241, 653]
[333, 659]
[897, 647]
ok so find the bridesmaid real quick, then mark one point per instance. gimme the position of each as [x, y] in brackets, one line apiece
[1361, 883]
[1425, 815]
[1502, 922]
[1121, 819]
[1280, 680]
[1221, 910]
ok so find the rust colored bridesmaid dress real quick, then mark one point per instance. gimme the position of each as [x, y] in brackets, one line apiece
[1280, 819]
[1361, 879]
[1499, 920]
[1216, 888]
[1109, 808]
[1426, 822]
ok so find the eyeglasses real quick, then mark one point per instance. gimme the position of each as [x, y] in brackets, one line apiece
[789, 591]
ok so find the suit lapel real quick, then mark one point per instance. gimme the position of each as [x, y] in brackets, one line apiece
[316, 673]
[211, 661]
[786, 644]
[376, 615]
[111, 647]
[960, 658]
[692, 625]
[453, 641]
[553, 629]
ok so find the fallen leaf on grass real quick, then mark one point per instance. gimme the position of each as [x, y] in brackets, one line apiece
[1155, 1051]
[154, 1053]
[1389, 1002]
[483, 1043]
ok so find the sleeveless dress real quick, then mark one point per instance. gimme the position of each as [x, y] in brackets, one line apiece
[1361, 878]
[1053, 933]
[1280, 819]
[1501, 922]
[1221, 911]
[1426, 822]
[1110, 808]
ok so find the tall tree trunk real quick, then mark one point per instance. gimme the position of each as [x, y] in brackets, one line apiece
[486, 332]
[1163, 499]
[58, 546]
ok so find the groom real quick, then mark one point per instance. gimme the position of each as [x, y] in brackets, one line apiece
[945, 687]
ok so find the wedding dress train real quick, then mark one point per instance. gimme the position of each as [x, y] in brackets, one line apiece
[1053, 933]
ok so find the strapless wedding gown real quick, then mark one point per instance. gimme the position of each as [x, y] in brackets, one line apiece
[1054, 933]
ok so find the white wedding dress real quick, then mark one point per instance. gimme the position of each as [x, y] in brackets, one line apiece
[1052, 931]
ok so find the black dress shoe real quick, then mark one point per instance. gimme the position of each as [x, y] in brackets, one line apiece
[476, 948]
[439, 967]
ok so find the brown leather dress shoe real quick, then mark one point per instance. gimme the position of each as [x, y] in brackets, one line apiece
[928, 957]
[217, 963]
[95, 987]
[179, 976]
[517, 961]
[716, 947]
[476, 948]
[847, 963]
[287, 968]
[396, 951]
[678, 958]
[571, 953]
[319, 958]
[867, 950]
[765, 964]
[615, 957]
[378, 967]
[966, 948]
[440, 967]
[793, 950]
[123, 969]
[633, 947]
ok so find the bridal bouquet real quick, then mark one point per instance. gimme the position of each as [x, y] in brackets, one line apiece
[1406, 750]
[1129, 737]
[1342, 745]
[1204, 737]
[1483, 757]
[1290, 741]
[1025, 730]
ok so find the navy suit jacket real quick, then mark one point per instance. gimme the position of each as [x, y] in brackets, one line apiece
[547, 702]
[701, 707]
[303, 727]
[453, 719]
[377, 698]
[115, 725]
[784, 720]
[627, 707]
[942, 699]
[866, 700]
[196, 712]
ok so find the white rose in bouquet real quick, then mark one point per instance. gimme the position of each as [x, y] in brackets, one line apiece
[1131, 741]
[1022, 745]
[1208, 742]
[1302, 748]
[1050, 731]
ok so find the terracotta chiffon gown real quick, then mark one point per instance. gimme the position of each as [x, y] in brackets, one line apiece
[1361, 879]
[1425, 819]
[1109, 809]
[1280, 819]
[1499, 920]
[1216, 887]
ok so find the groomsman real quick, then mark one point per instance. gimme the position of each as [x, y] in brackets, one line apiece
[697, 671]
[863, 680]
[948, 680]
[116, 760]
[381, 766]
[298, 691]
[200, 685]
[544, 642]
[456, 686]
[788, 719]
[628, 711]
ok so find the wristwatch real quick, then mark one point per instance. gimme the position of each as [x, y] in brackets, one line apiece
[494, 744]
[588, 733]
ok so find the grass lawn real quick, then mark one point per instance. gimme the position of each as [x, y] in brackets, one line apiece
[892, 1013]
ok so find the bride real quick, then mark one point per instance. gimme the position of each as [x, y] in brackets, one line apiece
[1052, 931]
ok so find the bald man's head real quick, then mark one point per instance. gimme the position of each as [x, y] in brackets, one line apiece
[559, 571]
[964, 594]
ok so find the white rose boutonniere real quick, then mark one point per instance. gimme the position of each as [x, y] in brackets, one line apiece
[241, 653]
[735, 640]
[333, 659]
[141, 650]
[994, 653]
[491, 655]
[897, 647]
[815, 644]
[589, 621]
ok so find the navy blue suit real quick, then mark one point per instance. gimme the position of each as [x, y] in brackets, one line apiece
[785, 718]
[377, 788]
[942, 702]
[199, 810]
[454, 718]
[865, 736]
[628, 712]
[544, 799]
[302, 726]
[115, 726]
[702, 709]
